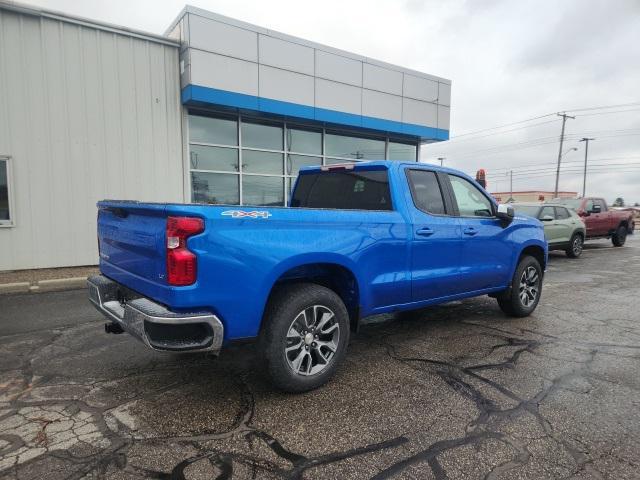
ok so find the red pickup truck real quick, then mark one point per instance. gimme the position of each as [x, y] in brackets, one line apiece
[600, 221]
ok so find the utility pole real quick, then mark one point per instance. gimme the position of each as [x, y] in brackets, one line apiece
[442, 159]
[510, 185]
[586, 152]
[564, 120]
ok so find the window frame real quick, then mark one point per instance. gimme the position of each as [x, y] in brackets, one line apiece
[454, 201]
[443, 192]
[285, 124]
[11, 222]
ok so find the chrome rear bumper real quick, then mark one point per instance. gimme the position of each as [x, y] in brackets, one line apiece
[152, 323]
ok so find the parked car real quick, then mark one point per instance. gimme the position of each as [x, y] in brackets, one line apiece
[600, 221]
[563, 228]
[361, 239]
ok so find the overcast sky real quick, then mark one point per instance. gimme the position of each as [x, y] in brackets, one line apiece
[508, 61]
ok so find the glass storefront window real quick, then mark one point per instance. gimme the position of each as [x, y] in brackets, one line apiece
[272, 154]
[220, 131]
[304, 141]
[259, 190]
[402, 151]
[356, 148]
[218, 188]
[295, 162]
[213, 158]
[258, 135]
[254, 161]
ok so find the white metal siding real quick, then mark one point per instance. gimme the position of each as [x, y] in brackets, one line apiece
[85, 114]
[227, 54]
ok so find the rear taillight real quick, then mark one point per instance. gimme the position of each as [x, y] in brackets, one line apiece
[181, 262]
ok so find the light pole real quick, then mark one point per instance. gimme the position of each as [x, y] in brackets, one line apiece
[562, 154]
[584, 175]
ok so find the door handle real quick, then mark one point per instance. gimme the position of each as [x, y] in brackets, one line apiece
[470, 231]
[425, 232]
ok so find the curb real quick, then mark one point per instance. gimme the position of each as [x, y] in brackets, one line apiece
[18, 287]
[57, 284]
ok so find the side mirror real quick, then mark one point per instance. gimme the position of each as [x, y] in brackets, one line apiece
[505, 213]
[547, 218]
[596, 209]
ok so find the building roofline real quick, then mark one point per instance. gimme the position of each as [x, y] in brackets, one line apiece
[300, 41]
[16, 7]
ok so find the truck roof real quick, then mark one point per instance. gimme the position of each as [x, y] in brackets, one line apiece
[382, 164]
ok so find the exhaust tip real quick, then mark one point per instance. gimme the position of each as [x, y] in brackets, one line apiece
[113, 328]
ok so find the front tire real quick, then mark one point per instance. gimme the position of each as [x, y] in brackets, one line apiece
[620, 236]
[304, 336]
[523, 296]
[574, 250]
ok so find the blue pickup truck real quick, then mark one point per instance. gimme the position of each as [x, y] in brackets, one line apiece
[357, 240]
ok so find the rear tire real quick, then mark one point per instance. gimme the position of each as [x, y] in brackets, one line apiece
[632, 228]
[526, 287]
[574, 250]
[620, 236]
[304, 337]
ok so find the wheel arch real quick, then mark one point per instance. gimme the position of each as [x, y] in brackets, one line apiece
[331, 272]
[536, 251]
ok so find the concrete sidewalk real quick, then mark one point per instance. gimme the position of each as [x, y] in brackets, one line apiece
[45, 279]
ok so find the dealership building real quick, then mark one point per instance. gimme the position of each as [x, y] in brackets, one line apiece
[214, 111]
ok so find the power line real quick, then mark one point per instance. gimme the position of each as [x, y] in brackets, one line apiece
[585, 109]
[518, 167]
[573, 110]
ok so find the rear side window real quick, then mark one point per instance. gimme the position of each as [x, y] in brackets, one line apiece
[562, 213]
[426, 192]
[343, 190]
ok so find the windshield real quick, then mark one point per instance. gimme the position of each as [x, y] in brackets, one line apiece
[531, 210]
[569, 202]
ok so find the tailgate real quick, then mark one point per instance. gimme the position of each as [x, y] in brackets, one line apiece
[131, 237]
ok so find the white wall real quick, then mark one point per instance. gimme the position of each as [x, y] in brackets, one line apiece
[86, 114]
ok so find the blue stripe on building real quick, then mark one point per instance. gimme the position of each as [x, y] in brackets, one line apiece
[198, 95]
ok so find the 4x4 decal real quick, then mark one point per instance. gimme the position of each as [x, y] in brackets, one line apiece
[244, 214]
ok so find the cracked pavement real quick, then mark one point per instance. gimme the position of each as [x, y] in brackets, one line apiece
[455, 391]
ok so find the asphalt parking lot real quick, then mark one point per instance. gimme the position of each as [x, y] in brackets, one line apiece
[457, 391]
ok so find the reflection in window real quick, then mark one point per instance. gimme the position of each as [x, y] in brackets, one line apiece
[426, 192]
[220, 188]
[261, 162]
[402, 151]
[356, 148]
[295, 162]
[304, 141]
[4, 191]
[213, 130]
[213, 158]
[259, 190]
[471, 202]
[258, 135]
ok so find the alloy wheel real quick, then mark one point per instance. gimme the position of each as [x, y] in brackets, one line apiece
[312, 340]
[577, 246]
[529, 286]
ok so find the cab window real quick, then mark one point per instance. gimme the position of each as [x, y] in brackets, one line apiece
[471, 201]
[426, 192]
